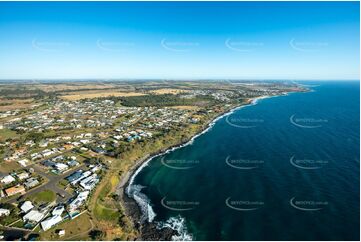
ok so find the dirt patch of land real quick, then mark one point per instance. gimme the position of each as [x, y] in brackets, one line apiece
[169, 91]
[13, 104]
[186, 107]
[8, 166]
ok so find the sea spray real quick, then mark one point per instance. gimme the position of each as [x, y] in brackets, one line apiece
[177, 224]
[143, 202]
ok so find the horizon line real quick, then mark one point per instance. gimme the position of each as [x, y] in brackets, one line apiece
[171, 79]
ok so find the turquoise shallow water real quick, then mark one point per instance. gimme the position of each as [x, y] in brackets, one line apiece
[284, 169]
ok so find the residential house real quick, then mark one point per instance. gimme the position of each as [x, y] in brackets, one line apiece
[31, 182]
[47, 153]
[83, 175]
[4, 212]
[68, 146]
[15, 190]
[50, 222]
[35, 156]
[34, 216]
[58, 210]
[23, 162]
[7, 179]
[78, 201]
[72, 163]
[89, 182]
[22, 175]
[74, 176]
[48, 163]
[60, 167]
[43, 144]
[26, 206]
[95, 168]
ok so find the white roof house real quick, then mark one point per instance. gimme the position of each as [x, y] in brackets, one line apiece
[50, 222]
[96, 168]
[23, 175]
[33, 155]
[4, 212]
[84, 141]
[61, 166]
[58, 210]
[23, 162]
[31, 182]
[118, 137]
[34, 216]
[82, 196]
[7, 179]
[89, 182]
[83, 175]
[27, 206]
[47, 153]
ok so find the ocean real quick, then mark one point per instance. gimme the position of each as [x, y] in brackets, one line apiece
[285, 168]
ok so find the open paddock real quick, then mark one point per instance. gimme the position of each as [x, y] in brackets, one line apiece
[13, 104]
[169, 91]
[97, 94]
[186, 107]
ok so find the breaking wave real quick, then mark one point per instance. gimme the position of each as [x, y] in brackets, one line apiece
[177, 224]
[143, 202]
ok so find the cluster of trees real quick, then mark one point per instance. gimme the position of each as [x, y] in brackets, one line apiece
[35, 136]
[156, 100]
[96, 234]
[21, 93]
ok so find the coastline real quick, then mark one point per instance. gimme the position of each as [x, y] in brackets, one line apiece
[145, 225]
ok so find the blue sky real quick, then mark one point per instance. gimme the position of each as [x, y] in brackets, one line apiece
[243, 40]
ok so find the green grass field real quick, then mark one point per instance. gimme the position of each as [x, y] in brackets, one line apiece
[7, 133]
[105, 208]
[45, 196]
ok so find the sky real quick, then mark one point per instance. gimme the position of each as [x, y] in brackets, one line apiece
[180, 40]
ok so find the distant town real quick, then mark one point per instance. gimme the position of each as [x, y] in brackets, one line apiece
[67, 148]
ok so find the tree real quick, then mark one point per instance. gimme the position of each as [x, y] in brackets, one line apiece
[36, 137]
[96, 234]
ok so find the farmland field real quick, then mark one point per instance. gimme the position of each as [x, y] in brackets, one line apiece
[97, 94]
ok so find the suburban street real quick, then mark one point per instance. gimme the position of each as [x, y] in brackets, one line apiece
[51, 184]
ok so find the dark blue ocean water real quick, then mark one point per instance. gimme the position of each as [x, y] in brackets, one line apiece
[286, 168]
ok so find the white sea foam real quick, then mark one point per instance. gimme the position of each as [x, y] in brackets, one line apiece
[143, 202]
[177, 224]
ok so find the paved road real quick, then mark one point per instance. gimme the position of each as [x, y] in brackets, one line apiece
[52, 184]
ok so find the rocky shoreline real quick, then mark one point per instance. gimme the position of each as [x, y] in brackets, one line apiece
[147, 230]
